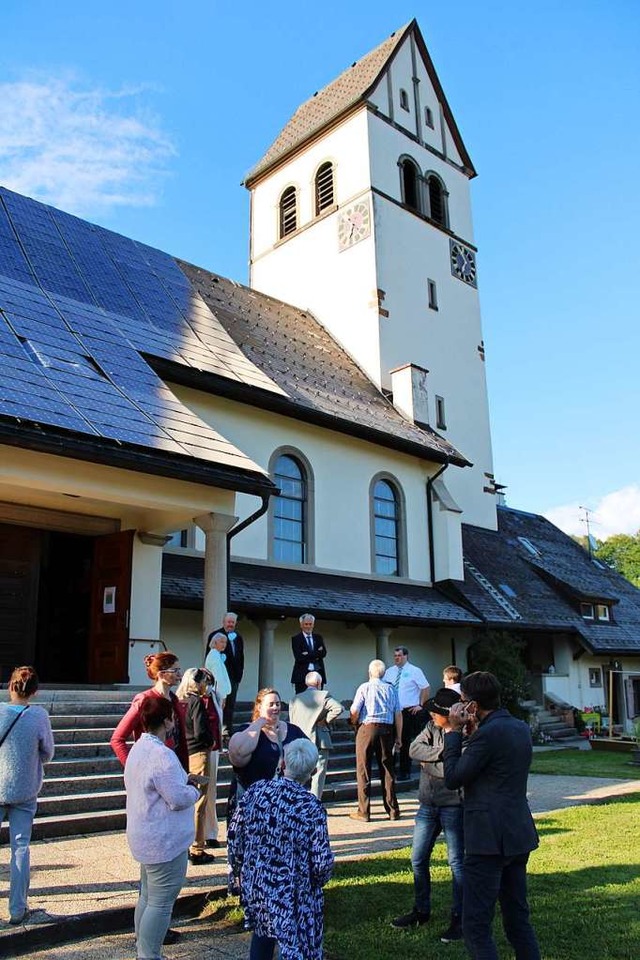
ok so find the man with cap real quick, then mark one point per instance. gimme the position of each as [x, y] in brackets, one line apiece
[440, 811]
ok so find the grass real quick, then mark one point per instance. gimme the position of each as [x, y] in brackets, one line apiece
[585, 763]
[584, 888]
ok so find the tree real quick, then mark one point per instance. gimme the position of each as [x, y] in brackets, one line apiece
[500, 652]
[622, 552]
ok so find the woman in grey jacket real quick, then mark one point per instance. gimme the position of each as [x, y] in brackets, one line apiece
[26, 743]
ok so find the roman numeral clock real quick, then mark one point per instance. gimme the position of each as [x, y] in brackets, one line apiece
[463, 263]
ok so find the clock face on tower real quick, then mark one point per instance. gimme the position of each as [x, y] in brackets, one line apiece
[463, 263]
[354, 224]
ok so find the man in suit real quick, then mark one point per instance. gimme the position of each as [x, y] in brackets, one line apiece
[309, 652]
[234, 662]
[313, 711]
[499, 831]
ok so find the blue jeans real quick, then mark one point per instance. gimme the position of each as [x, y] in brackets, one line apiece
[20, 817]
[430, 823]
[488, 879]
[160, 884]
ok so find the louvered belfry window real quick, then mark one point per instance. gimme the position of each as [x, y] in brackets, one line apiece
[288, 212]
[324, 187]
[436, 201]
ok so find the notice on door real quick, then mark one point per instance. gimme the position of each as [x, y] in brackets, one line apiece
[109, 600]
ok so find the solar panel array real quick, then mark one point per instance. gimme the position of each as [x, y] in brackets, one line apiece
[79, 306]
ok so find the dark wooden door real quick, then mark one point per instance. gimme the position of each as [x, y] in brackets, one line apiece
[19, 579]
[110, 603]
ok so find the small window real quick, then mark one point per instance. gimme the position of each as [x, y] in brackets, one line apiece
[437, 204]
[433, 295]
[404, 100]
[586, 611]
[529, 547]
[428, 117]
[410, 183]
[386, 517]
[595, 677]
[324, 187]
[288, 212]
[602, 611]
[441, 420]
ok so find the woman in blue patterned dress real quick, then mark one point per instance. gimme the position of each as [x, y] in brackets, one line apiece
[279, 850]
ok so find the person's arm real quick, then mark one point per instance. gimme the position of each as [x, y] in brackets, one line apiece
[462, 768]
[334, 709]
[357, 705]
[301, 653]
[170, 780]
[200, 725]
[243, 743]
[321, 650]
[398, 716]
[46, 747]
[423, 747]
[124, 731]
[424, 694]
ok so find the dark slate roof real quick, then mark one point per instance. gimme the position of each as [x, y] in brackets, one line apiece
[544, 591]
[350, 88]
[319, 381]
[78, 306]
[278, 592]
[91, 323]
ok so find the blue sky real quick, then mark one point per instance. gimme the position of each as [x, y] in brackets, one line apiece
[145, 116]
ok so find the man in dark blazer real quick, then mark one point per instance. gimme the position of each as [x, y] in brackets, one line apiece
[309, 652]
[499, 831]
[234, 662]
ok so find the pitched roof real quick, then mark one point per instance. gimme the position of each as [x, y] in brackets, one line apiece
[352, 87]
[318, 380]
[544, 591]
[265, 590]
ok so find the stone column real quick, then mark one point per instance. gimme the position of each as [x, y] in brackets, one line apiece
[382, 635]
[215, 527]
[266, 652]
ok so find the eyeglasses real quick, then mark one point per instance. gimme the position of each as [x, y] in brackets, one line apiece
[462, 700]
[171, 670]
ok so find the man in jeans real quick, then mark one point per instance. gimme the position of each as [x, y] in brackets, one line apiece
[440, 811]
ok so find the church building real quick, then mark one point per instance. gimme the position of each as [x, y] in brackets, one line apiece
[174, 444]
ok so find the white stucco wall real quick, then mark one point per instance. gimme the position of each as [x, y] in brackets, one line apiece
[146, 576]
[342, 468]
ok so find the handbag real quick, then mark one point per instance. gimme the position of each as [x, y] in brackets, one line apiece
[12, 725]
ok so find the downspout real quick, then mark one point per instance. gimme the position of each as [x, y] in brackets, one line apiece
[432, 553]
[260, 512]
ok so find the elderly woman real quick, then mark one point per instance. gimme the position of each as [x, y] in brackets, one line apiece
[160, 826]
[164, 670]
[200, 740]
[256, 751]
[279, 849]
[26, 744]
[215, 664]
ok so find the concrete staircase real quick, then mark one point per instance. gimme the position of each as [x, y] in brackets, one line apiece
[83, 790]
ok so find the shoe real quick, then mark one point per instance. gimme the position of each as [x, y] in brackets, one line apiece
[394, 815]
[453, 932]
[213, 844]
[356, 815]
[32, 918]
[413, 919]
[199, 858]
[16, 921]
[171, 936]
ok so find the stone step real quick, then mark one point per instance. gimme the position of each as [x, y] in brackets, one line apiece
[94, 802]
[88, 721]
[81, 785]
[74, 735]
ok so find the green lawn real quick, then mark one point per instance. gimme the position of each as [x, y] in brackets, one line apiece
[586, 763]
[584, 892]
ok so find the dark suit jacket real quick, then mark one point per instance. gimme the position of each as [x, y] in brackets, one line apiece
[493, 772]
[303, 657]
[233, 662]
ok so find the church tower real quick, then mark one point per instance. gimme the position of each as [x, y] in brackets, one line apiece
[361, 214]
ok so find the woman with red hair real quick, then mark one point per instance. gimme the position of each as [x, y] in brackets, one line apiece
[164, 670]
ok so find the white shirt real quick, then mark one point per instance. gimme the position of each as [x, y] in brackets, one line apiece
[412, 681]
[215, 664]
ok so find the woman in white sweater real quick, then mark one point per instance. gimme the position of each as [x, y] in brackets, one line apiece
[160, 827]
[26, 744]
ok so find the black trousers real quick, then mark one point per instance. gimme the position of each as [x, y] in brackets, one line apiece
[228, 709]
[486, 881]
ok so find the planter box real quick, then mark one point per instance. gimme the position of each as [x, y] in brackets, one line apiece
[612, 743]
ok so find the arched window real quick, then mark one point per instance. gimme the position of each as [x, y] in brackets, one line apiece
[410, 183]
[288, 212]
[324, 187]
[386, 529]
[437, 200]
[289, 530]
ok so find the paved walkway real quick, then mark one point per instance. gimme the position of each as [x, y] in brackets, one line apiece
[90, 883]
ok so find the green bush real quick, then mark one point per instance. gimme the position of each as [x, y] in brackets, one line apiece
[500, 653]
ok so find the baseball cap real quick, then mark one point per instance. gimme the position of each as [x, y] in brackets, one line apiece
[442, 701]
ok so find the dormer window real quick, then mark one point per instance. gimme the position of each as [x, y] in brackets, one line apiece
[587, 611]
[602, 612]
[324, 187]
[404, 100]
[288, 212]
